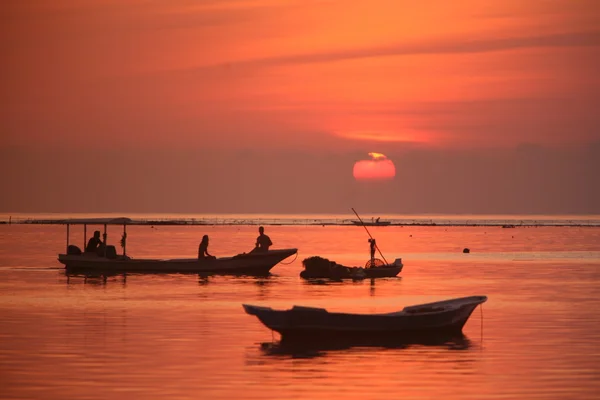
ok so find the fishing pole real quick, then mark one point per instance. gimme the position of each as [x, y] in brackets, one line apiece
[369, 233]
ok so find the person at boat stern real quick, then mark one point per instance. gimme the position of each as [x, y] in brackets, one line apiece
[203, 250]
[372, 248]
[263, 242]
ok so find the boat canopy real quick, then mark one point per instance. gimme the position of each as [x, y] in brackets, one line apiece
[98, 221]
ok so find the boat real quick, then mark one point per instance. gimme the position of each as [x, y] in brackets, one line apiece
[307, 323]
[107, 259]
[322, 268]
[373, 223]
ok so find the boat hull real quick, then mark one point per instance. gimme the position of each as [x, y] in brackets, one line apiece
[380, 223]
[383, 272]
[445, 317]
[366, 273]
[250, 263]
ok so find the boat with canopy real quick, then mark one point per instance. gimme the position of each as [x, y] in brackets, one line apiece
[106, 259]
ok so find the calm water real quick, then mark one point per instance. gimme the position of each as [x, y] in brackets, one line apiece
[187, 337]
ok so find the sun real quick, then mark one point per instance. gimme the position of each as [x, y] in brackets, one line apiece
[379, 167]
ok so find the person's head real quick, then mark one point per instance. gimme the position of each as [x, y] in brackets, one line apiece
[261, 230]
[97, 234]
[205, 239]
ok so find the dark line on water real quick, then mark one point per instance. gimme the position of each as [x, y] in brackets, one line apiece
[32, 268]
[504, 223]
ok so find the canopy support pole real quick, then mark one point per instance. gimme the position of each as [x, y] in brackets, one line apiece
[124, 240]
[104, 240]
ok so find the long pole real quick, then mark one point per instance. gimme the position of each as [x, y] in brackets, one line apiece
[369, 233]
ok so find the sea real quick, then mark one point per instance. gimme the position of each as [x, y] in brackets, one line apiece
[186, 336]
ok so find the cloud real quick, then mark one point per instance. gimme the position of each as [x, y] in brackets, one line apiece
[378, 156]
[459, 45]
[379, 136]
[569, 9]
[504, 122]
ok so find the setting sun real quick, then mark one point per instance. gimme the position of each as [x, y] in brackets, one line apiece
[379, 167]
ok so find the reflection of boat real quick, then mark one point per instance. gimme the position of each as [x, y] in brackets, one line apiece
[373, 223]
[94, 277]
[307, 323]
[108, 260]
[319, 267]
[316, 346]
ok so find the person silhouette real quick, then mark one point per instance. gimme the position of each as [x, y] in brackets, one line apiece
[263, 242]
[203, 250]
[94, 243]
[372, 248]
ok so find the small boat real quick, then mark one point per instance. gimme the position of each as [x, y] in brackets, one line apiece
[322, 268]
[373, 223]
[107, 260]
[309, 323]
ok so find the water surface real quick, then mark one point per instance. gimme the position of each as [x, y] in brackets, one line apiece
[185, 336]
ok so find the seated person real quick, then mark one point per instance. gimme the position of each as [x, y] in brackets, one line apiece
[263, 242]
[94, 243]
[203, 250]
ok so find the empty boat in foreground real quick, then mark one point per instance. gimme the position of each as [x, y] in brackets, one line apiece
[307, 323]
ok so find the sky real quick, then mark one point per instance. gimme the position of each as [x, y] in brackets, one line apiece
[236, 106]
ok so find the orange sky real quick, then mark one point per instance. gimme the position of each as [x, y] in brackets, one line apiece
[330, 75]
[436, 72]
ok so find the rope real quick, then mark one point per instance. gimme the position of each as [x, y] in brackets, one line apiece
[295, 256]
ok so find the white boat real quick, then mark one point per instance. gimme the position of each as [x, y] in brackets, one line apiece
[309, 323]
[107, 260]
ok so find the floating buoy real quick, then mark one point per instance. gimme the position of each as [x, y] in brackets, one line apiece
[466, 250]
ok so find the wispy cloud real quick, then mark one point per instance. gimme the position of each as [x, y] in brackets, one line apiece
[401, 135]
[459, 45]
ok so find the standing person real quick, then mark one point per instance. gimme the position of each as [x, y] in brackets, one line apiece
[203, 250]
[263, 242]
[372, 248]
